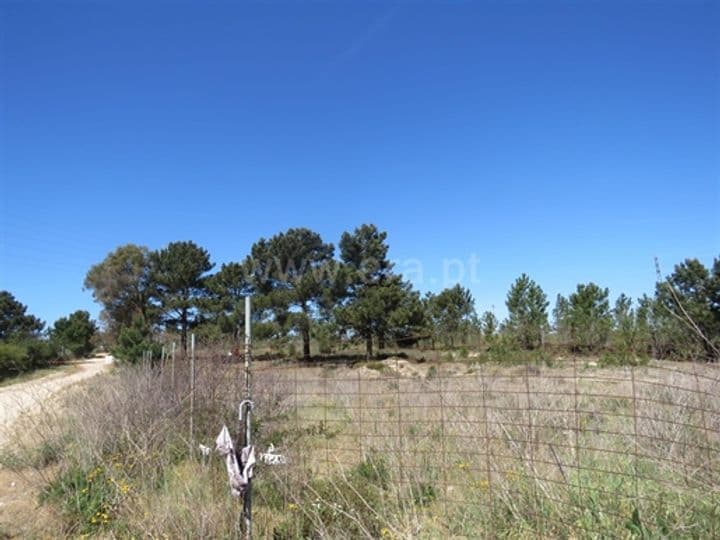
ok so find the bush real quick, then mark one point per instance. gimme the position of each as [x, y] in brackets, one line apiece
[14, 359]
[610, 359]
[41, 353]
[89, 500]
[19, 357]
[133, 342]
[74, 334]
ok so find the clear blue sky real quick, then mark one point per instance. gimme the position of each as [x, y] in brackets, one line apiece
[574, 141]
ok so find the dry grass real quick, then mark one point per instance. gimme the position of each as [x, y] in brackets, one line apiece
[392, 450]
[522, 450]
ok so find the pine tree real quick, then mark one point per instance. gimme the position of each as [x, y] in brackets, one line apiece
[178, 273]
[293, 269]
[450, 312]
[527, 312]
[375, 303]
[588, 317]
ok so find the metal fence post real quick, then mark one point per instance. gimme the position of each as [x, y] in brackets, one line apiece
[172, 367]
[247, 501]
[192, 393]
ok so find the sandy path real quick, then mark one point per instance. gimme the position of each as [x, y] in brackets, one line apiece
[18, 490]
[16, 399]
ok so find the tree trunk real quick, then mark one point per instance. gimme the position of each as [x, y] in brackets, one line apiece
[183, 332]
[305, 332]
[306, 343]
[368, 347]
[381, 342]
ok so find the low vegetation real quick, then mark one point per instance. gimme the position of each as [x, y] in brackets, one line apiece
[25, 345]
[390, 449]
[523, 427]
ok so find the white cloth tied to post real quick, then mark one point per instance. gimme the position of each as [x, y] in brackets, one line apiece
[239, 474]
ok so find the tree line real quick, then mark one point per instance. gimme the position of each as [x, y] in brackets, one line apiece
[26, 343]
[304, 288]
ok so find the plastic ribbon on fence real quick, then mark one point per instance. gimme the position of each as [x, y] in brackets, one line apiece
[239, 472]
[271, 457]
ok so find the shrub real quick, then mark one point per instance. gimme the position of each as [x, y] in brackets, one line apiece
[14, 359]
[376, 366]
[19, 357]
[88, 499]
[133, 342]
[610, 359]
[423, 493]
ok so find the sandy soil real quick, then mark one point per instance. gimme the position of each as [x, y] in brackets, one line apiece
[18, 490]
[21, 398]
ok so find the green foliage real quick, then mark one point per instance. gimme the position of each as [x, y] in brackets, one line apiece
[88, 498]
[210, 333]
[21, 346]
[560, 312]
[504, 349]
[365, 251]
[73, 335]
[376, 366]
[373, 468]
[134, 341]
[343, 506]
[225, 303]
[14, 322]
[688, 310]
[488, 326]
[587, 317]
[326, 335]
[423, 493]
[406, 316]
[294, 269]
[122, 284]
[527, 312]
[630, 336]
[623, 358]
[386, 309]
[450, 312]
[14, 359]
[178, 275]
[300, 291]
[375, 302]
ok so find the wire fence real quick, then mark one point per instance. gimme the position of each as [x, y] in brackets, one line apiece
[397, 448]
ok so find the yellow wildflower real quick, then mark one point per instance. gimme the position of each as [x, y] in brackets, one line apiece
[386, 534]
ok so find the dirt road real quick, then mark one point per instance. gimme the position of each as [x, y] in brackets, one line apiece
[16, 399]
[19, 489]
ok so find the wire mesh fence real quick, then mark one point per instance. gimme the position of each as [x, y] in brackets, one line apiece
[398, 449]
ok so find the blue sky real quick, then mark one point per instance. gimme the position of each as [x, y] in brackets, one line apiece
[574, 141]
